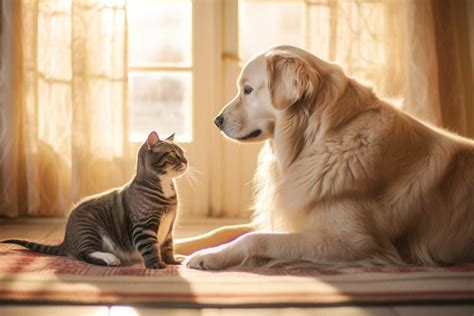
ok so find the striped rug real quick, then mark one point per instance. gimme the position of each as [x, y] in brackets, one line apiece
[27, 277]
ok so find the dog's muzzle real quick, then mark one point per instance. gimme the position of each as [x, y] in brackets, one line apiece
[254, 134]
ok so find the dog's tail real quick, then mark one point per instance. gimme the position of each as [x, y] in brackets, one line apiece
[57, 250]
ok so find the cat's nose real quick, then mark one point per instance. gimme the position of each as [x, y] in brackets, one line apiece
[219, 120]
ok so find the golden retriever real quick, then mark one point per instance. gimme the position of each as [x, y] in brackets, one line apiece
[345, 177]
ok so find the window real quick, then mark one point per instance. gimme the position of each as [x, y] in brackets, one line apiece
[160, 68]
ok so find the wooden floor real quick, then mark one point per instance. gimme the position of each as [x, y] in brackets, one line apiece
[47, 229]
[53, 228]
[328, 311]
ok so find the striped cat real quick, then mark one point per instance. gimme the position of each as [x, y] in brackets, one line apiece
[128, 222]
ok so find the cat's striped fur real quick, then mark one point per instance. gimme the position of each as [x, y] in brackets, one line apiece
[133, 221]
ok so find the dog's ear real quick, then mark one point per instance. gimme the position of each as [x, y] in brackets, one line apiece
[290, 78]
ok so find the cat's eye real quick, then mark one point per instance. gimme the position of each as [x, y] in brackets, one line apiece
[173, 154]
[248, 90]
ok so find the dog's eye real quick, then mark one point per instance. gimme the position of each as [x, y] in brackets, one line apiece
[248, 89]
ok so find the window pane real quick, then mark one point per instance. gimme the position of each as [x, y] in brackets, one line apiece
[160, 101]
[268, 23]
[159, 32]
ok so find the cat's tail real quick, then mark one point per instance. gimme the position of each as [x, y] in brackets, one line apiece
[57, 250]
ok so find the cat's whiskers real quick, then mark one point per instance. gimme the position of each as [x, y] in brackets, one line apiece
[194, 174]
[196, 170]
[191, 177]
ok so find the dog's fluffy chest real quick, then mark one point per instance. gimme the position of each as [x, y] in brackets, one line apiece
[289, 193]
[274, 212]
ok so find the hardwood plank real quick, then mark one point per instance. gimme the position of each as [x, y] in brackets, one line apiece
[461, 310]
[54, 310]
[47, 229]
[26, 231]
[142, 311]
[322, 311]
[57, 232]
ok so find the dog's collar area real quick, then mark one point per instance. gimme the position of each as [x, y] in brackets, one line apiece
[254, 134]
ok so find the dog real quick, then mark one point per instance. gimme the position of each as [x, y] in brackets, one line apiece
[345, 177]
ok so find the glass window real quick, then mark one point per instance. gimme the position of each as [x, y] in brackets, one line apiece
[160, 68]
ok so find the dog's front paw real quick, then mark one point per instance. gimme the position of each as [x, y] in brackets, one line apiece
[214, 259]
[202, 260]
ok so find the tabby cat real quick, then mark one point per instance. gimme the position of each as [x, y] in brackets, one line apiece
[128, 222]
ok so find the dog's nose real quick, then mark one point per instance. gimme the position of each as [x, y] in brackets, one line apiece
[219, 120]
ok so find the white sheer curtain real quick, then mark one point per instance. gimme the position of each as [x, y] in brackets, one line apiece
[417, 51]
[63, 111]
[439, 74]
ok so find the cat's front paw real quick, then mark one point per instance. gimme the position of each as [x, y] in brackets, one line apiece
[155, 265]
[174, 260]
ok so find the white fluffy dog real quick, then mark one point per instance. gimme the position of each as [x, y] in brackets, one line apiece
[345, 177]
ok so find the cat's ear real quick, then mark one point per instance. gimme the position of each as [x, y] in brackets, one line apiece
[171, 137]
[152, 139]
